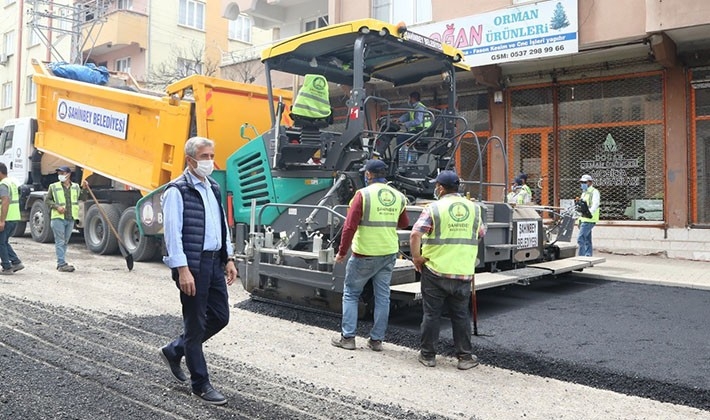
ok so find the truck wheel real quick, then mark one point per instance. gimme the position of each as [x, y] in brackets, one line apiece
[40, 223]
[97, 234]
[20, 229]
[143, 248]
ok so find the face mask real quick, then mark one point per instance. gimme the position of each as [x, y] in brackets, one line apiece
[436, 193]
[62, 178]
[584, 187]
[204, 167]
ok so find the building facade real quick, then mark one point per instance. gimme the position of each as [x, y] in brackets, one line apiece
[627, 101]
[157, 41]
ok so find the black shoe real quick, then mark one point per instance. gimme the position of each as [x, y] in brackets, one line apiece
[210, 395]
[174, 366]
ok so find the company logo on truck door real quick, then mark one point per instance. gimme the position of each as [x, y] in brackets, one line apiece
[93, 118]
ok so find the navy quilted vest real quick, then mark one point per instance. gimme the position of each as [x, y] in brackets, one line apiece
[193, 221]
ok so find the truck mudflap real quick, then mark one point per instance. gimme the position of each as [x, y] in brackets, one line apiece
[522, 276]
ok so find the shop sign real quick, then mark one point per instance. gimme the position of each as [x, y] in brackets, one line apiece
[544, 29]
[611, 167]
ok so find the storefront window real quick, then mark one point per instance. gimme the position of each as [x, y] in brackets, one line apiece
[611, 129]
[701, 202]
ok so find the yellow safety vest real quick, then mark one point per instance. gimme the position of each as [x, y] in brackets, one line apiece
[452, 244]
[587, 197]
[376, 235]
[313, 100]
[13, 211]
[426, 118]
[58, 194]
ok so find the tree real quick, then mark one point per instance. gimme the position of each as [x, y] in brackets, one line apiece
[559, 18]
[246, 67]
[183, 62]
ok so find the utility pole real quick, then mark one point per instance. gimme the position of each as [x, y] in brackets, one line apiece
[80, 20]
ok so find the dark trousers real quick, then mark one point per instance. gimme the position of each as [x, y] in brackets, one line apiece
[204, 315]
[439, 293]
[7, 254]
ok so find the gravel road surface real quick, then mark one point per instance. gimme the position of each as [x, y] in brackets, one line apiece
[84, 345]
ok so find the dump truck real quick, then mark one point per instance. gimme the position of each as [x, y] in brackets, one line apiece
[291, 186]
[125, 142]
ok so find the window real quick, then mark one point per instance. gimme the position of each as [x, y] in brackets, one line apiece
[6, 139]
[31, 90]
[9, 43]
[240, 28]
[192, 14]
[408, 11]
[124, 65]
[319, 22]
[125, 5]
[187, 67]
[6, 95]
[34, 37]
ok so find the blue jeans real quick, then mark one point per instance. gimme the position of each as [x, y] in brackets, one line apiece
[358, 271]
[204, 315]
[62, 229]
[7, 254]
[584, 239]
[439, 293]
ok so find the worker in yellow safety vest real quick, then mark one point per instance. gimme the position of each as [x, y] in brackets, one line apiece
[63, 200]
[414, 121]
[447, 231]
[591, 197]
[9, 217]
[370, 227]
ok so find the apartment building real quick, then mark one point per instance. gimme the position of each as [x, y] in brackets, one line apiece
[21, 43]
[617, 90]
[157, 41]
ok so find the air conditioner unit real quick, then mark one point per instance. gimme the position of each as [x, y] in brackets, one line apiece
[3, 59]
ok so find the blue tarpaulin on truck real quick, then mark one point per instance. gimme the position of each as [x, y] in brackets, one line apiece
[89, 73]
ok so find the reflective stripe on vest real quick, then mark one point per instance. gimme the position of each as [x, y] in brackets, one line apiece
[587, 197]
[59, 198]
[426, 118]
[376, 235]
[313, 99]
[452, 244]
[13, 211]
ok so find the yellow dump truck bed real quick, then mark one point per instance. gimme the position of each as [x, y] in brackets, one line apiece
[137, 138]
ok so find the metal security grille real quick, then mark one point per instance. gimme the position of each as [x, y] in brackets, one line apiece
[474, 108]
[611, 129]
[700, 197]
[530, 150]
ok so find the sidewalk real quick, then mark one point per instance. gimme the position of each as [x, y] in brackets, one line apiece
[651, 270]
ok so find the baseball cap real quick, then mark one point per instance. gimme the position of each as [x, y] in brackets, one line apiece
[585, 178]
[63, 169]
[374, 165]
[522, 176]
[447, 178]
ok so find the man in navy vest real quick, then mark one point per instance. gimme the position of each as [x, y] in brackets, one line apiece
[199, 253]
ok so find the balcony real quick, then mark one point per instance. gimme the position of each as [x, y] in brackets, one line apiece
[268, 14]
[121, 28]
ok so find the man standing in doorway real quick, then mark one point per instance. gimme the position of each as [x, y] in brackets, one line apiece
[444, 246]
[63, 201]
[9, 216]
[591, 198]
[199, 254]
[375, 213]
